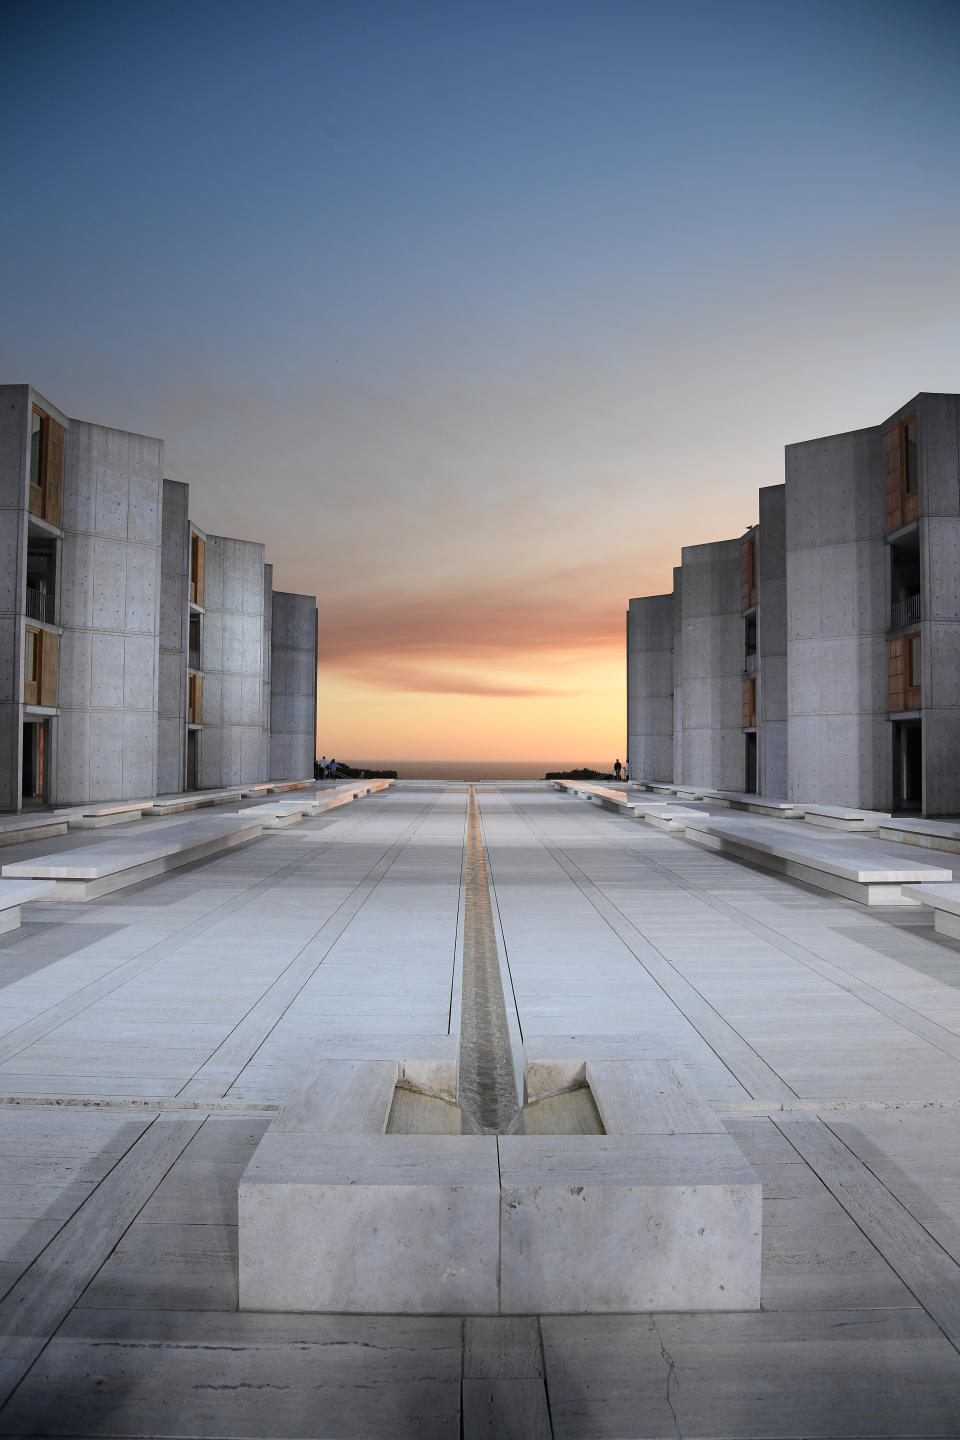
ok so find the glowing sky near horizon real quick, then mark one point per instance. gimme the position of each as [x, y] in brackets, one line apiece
[476, 313]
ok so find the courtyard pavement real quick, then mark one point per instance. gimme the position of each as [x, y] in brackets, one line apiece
[146, 1040]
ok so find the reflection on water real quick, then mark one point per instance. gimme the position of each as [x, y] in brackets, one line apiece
[487, 1091]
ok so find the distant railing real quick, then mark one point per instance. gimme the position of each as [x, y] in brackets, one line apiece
[40, 606]
[905, 612]
[750, 664]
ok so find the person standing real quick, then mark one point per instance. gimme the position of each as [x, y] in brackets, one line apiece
[617, 767]
[333, 769]
[323, 767]
[626, 772]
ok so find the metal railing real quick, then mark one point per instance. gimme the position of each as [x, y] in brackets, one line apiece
[905, 612]
[40, 606]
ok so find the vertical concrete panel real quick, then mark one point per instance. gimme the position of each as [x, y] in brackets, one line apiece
[839, 735]
[710, 674]
[267, 678]
[174, 638]
[293, 686]
[110, 613]
[772, 642]
[650, 687]
[232, 740]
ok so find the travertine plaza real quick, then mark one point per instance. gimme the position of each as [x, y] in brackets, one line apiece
[162, 1047]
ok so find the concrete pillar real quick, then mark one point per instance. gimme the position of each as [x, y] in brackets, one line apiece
[267, 677]
[106, 744]
[232, 662]
[650, 687]
[293, 702]
[174, 638]
[772, 642]
[711, 666]
[839, 738]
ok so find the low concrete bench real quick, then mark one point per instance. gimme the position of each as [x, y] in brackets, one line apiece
[22, 829]
[193, 800]
[929, 834]
[14, 893]
[944, 901]
[98, 817]
[94, 870]
[862, 870]
[670, 815]
[754, 804]
[277, 815]
[279, 787]
[660, 1212]
[839, 817]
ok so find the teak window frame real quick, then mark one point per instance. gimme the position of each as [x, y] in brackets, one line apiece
[903, 505]
[196, 568]
[194, 698]
[748, 573]
[46, 499]
[40, 687]
[749, 702]
[903, 672]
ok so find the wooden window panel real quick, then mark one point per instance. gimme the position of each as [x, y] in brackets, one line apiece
[749, 701]
[912, 660]
[748, 573]
[33, 640]
[53, 472]
[893, 462]
[49, 659]
[195, 699]
[895, 674]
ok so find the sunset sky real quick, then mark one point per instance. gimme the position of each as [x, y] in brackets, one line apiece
[476, 312]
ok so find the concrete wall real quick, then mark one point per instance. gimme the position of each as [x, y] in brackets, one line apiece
[837, 620]
[710, 672]
[650, 687]
[293, 706]
[14, 412]
[106, 743]
[232, 663]
[265, 693]
[938, 418]
[772, 642]
[174, 638]
[677, 670]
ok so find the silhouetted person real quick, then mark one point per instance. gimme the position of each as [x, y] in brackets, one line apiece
[333, 769]
[617, 767]
[323, 767]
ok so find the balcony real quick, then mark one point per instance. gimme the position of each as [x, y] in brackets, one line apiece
[905, 612]
[40, 606]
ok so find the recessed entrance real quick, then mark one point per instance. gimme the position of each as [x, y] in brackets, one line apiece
[750, 765]
[36, 744]
[193, 759]
[908, 765]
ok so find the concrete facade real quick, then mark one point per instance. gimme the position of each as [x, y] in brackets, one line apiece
[293, 685]
[850, 607]
[709, 667]
[123, 673]
[771, 566]
[650, 687]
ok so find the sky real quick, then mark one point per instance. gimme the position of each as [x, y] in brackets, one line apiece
[476, 312]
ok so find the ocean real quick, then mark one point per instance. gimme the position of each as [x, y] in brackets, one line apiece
[476, 769]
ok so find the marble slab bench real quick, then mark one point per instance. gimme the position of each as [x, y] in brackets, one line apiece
[661, 1212]
[21, 829]
[93, 870]
[944, 901]
[862, 870]
[98, 817]
[929, 834]
[754, 804]
[839, 817]
[14, 893]
[193, 800]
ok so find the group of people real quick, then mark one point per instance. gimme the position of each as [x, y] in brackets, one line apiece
[621, 772]
[325, 769]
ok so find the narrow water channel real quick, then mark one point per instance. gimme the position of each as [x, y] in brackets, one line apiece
[487, 1091]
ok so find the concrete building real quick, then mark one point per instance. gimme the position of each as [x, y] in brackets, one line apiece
[650, 686]
[135, 651]
[850, 613]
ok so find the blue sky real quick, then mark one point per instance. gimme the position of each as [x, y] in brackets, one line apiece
[526, 295]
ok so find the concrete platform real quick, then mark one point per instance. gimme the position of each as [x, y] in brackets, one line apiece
[14, 893]
[929, 834]
[100, 869]
[148, 1039]
[861, 870]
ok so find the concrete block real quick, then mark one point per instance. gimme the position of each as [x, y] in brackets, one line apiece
[628, 1223]
[372, 1223]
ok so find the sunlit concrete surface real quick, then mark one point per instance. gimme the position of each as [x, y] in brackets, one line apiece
[148, 1038]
